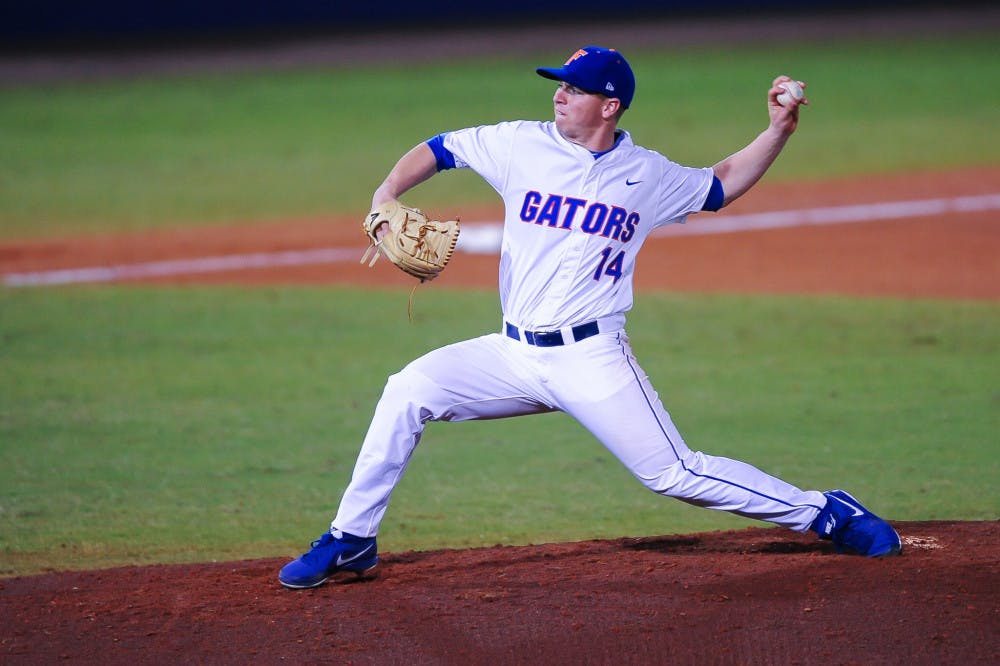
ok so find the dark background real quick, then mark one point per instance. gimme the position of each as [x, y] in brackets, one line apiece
[103, 24]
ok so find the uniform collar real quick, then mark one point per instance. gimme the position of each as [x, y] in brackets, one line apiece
[620, 136]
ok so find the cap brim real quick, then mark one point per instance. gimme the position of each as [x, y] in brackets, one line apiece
[560, 74]
[554, 73]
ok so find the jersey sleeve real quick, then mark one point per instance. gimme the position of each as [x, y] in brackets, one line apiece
[716, 196]
[442, 156]
[485, 149]
[683, 190]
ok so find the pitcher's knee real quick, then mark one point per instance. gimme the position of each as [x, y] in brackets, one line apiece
[674, 478]
[409, 390]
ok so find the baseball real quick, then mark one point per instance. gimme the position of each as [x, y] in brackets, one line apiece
[792, 90]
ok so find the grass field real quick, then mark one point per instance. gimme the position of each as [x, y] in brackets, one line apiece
[163, 425]
[135, 154]
[170, 425]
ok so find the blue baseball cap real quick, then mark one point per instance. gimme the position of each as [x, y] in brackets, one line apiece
[596, 69]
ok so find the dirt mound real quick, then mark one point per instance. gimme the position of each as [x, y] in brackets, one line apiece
[750, 596]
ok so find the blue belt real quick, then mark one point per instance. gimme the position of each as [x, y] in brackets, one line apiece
[552, 338]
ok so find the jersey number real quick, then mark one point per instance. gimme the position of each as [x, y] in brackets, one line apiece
[613, 267]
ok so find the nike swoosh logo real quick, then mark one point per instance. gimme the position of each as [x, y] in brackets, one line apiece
[856, 510]
[632, 182]
[341, 560]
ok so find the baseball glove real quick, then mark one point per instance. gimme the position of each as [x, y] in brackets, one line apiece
[417, 245]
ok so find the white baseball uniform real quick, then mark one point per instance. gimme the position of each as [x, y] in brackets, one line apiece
[574, 224]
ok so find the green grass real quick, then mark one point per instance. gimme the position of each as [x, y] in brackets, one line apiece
[141, 425]
[143, 153]
[164, 425]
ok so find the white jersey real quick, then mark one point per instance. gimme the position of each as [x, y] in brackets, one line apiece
[574, 224]
[573, 228]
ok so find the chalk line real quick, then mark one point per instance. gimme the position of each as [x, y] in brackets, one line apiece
[485, 238]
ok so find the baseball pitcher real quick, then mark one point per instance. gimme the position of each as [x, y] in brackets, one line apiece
[580, 199]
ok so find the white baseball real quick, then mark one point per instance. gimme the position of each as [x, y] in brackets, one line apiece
[792, 90]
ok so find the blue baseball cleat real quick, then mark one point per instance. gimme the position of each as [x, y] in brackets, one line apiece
[344, 559]
[853, 527]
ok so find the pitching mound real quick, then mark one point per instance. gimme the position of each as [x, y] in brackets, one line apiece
[749, 596]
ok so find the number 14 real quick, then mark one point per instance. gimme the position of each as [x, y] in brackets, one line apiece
[613, 267]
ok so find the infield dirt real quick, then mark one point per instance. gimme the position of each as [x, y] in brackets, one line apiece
[942, 255]
[754, 596]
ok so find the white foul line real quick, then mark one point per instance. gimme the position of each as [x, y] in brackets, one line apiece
[834, 215]
[179, 267]
[484, 238]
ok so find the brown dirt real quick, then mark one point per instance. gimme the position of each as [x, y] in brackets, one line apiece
[939, 256]
[752, 596]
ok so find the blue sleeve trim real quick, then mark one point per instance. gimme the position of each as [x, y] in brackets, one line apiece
[445, 158]
[715, 195]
